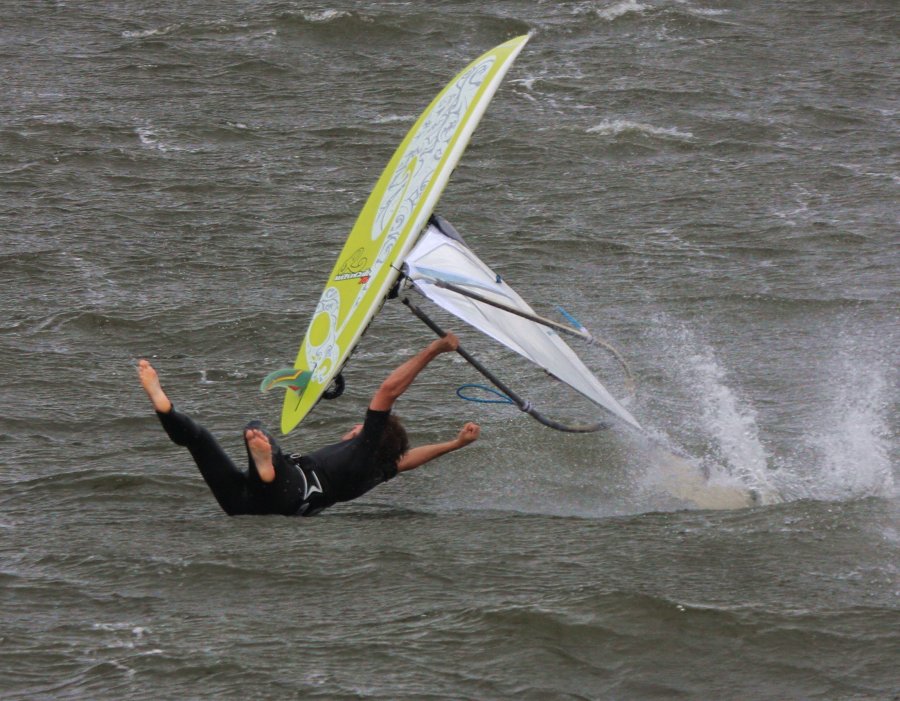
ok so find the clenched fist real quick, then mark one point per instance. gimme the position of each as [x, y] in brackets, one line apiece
[468, 434]
[447, 343]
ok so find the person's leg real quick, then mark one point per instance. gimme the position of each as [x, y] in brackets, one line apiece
[227, 482]
[275, 481]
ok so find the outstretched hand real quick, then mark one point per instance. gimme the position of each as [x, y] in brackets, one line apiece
[468, 434]
[446, 344]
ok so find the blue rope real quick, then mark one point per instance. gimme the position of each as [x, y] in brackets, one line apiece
[571, 319]
[503, 399]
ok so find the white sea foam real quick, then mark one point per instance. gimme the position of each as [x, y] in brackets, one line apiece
[527, 83]
[145, 33]
[731, 423]
[708, 12]
[161, 140]
[853, 443]
[717, 414]
[324, 16]
[149, 139]
[620, 9]
[614, 127]
[394, 118]
[843, 450]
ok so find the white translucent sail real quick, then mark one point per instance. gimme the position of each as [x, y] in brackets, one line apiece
[441, 257]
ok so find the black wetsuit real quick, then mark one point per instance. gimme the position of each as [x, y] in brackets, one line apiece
[303, 484]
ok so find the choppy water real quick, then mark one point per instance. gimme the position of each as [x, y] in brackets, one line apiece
[712, 186]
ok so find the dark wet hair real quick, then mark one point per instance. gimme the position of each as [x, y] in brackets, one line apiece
[394, 442]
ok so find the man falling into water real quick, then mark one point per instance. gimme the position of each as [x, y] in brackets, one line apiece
[302, 485]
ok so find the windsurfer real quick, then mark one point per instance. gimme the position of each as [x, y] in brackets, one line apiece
[369, 454]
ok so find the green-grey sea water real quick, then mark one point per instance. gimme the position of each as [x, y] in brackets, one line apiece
[710, 185]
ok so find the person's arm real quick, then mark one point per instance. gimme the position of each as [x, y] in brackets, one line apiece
[416, 457]
[400, 380]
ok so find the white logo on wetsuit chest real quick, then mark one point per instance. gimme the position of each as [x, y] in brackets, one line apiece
[307, 489]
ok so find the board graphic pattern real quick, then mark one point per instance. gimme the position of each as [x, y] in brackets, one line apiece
[393, 216]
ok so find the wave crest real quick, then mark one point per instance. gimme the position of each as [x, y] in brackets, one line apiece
[615, 127]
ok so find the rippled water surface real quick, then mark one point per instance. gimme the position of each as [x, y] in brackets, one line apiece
[710, 186]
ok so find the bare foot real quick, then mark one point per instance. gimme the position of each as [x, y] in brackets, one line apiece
[150, 383]
[261, 451]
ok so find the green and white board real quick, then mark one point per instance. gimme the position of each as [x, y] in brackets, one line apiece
[388, 225]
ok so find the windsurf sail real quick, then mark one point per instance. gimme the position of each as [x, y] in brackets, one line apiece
[446, 271]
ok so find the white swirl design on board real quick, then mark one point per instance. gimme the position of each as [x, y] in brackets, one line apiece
[405, 189]
[323, 357]
[425, 151]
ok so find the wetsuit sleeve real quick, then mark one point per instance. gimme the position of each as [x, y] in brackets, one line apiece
[370, 438]
[373, 429]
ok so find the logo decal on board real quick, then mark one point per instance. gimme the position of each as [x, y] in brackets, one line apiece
[355, 267]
